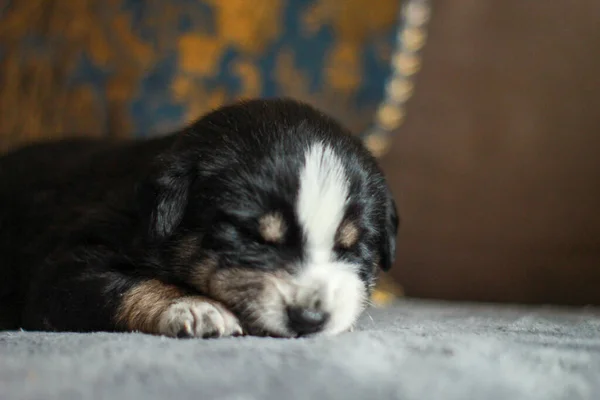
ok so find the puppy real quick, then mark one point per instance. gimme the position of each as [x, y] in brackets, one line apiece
[264, 217]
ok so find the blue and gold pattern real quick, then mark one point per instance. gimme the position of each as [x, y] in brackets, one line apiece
[135, 67]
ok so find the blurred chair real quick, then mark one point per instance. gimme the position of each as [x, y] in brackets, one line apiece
[125, 68]
[497, 168]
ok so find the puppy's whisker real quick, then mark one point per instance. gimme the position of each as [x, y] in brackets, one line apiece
[370, 317]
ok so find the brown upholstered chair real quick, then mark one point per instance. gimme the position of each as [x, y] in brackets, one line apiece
[497, 167]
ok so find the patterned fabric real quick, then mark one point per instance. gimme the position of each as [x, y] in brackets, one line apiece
[142, 67]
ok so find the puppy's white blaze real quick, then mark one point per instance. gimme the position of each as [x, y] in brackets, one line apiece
[321, 200]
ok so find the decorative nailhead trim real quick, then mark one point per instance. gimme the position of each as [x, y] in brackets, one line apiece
[399, 87]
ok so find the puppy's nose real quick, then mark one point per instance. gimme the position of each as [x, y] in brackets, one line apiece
[304, 321]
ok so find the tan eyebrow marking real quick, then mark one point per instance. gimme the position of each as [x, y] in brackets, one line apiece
[272, 227]
[347, 234]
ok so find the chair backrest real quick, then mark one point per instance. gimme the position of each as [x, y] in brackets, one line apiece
[497, 167]
[122, 68]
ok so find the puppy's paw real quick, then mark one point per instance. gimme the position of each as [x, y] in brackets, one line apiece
[198, 317]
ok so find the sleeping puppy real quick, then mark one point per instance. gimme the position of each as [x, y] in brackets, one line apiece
[264, 217]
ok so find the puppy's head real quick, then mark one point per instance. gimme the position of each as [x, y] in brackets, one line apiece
[275, 210]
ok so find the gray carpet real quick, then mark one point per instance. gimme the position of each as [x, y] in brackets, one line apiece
[413, 350]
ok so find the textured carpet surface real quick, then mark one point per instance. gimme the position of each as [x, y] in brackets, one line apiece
[412, 350]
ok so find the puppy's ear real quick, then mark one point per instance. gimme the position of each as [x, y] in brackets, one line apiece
[164, 194]
[388, 241]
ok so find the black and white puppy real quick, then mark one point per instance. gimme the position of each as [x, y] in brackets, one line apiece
[264, 217]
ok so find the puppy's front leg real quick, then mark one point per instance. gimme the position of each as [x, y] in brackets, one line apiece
[154, 307]
[85, 294]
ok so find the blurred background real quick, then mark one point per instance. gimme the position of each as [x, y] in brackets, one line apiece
[484, 113]
[137, 68]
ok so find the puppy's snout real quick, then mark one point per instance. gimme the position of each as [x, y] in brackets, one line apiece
[305, 321]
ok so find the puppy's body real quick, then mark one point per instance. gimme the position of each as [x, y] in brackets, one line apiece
[264, 215]
[52, 195]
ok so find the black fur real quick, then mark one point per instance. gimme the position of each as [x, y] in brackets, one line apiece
[82, 221]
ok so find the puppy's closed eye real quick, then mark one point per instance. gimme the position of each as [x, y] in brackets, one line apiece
[272, 227]
[347, 235]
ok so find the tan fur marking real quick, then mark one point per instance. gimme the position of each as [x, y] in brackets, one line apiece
[234, 286]
[142, 306]
[348, 234]
[202, 273]
[242, 291]
[272, 227]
